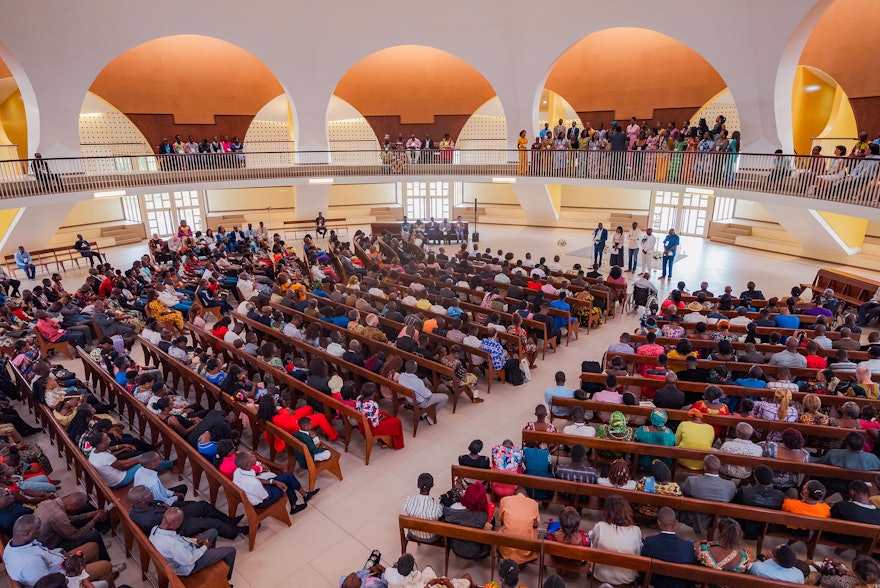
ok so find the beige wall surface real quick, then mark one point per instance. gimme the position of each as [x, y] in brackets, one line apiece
[95, 211]
[363, 195]
[605, 198]
[241, 199]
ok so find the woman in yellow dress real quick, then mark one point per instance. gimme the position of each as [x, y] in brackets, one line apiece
[162, 313]
[522, 145]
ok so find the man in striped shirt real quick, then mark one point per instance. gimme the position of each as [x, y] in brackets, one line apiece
[423, 506]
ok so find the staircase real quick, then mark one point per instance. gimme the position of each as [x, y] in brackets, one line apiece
[727, 231]
[124, 234]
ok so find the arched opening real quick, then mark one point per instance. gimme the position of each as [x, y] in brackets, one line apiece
[837, 53]
[188, 85]
[617, 73]
[13, 118]
[821, 113]
[414, 90]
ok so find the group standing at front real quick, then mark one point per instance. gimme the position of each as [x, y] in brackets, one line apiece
[639, 245]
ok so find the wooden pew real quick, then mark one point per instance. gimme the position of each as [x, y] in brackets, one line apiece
[398, 392]
[120, 520]
[293, 446]
[733, 366]
[352, 419]
[436, 368]
[850, 288]
[437, 339]
[769, 518]
[647, 567]
[702, 344]
[186, 453]
[729, 390]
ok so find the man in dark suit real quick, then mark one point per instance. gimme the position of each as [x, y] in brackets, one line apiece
[667, 546]
[669, 396]
[709, 486]
[600, 236]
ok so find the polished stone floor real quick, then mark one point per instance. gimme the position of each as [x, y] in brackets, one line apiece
[349, 518]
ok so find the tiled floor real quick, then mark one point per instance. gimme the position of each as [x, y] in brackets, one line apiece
[349, 518]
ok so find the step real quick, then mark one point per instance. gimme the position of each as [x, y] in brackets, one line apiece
[723, 239]
[777, 234]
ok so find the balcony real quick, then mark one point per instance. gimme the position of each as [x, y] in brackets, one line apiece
[751, 176]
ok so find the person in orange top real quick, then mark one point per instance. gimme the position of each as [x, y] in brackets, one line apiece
[711, 404]
[810, 504]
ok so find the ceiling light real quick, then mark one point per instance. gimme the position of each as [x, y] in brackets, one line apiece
[321, 180]
[813, 88]
[504, 180]
[110, 194]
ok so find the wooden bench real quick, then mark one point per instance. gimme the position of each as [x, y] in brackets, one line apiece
[734, 366]
[186, 453]
[728, 389]
[294, 447]
[308, 226]
[120, 520]
[851, 289]
[47, 347]
[51, 256]
[591, 495]
[371, 345]
[703, 345]
[352, 418]
[396, 327]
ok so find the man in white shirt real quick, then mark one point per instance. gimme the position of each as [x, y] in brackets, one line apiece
[694, 316]
[537, 272]
[184, 555]
[819, 337]
[579, 425]
[148, 476]
[413, 146]
[292, 329]
[741, 318]
[554, 266]
[633, 243]
[422, 393]
[527, 262]
[266, 488]
[647, 244]
[471, 340]
[234, 334]
[873, 361]
[644, 281]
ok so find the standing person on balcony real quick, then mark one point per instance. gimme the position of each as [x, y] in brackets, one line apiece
[24, 261]
[648, 243]
[560, 128]
[320, 225]
[44, 175]
[600, 237]
[670, 245]
[633, 241]
[730, 163]
[85, 250]
[522, 146]
[413, 149]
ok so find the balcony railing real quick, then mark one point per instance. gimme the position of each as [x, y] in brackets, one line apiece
[846, 180]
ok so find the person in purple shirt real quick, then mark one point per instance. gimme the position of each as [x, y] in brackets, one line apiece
[622, 346]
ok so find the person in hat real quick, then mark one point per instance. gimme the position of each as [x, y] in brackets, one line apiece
[694, 315]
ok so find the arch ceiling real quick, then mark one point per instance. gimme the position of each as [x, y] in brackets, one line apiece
[413, 89]
[840, 45]
[187, 84]
[622, 72]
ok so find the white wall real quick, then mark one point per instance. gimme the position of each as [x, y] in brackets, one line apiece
[606, 198]
[56, 54]
[250, 199]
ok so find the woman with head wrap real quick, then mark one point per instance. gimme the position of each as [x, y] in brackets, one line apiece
[616, 429]
[473, 510]
[694, 434]
[657, 433]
